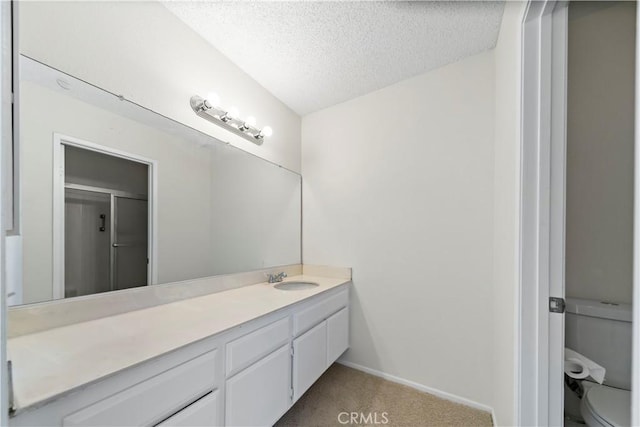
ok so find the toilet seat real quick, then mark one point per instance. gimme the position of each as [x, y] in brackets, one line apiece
[604, 406]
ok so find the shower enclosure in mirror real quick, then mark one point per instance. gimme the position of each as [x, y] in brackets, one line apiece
[103, 223]
[115, 196]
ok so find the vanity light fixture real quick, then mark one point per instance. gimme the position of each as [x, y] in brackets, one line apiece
[230, 120]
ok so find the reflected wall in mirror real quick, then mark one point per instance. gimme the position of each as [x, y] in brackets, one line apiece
[116, 196]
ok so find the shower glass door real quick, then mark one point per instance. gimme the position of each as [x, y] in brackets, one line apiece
[87, 240]
[105, 242]
[129, 247]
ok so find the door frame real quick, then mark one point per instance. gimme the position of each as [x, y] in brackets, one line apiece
[59, 141]
[540, 334]
[7, 200]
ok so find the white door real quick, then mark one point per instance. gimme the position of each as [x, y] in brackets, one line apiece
[541, 342]
[6, 199]
[540, 388]
[557, 196]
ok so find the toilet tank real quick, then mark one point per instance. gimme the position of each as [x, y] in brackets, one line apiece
[602, 332]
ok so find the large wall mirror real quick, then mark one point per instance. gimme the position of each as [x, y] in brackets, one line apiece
[115, 196]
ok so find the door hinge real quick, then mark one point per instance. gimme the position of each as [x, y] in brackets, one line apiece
[556, 305]
[12, 407]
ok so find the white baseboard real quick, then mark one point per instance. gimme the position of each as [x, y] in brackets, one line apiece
[421, 387]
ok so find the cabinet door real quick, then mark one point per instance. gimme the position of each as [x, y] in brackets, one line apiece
[337, 335]
[309, 358]
[202, 412]
[259, 395]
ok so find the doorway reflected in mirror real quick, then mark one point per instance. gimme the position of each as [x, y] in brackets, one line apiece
[106, 222]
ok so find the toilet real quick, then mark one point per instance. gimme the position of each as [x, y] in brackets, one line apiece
[602, 332]
[606, 406]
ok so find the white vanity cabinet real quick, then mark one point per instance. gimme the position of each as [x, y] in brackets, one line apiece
[250, 374]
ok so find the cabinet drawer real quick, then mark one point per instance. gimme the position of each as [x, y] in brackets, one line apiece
[202, 412]
[152, 400]
[245, 350]
[337, 335]
[311, 316]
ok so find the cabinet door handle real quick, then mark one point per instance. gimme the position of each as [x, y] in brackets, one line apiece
[103, 220]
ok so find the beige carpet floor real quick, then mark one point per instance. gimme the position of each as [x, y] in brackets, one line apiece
[342, 391]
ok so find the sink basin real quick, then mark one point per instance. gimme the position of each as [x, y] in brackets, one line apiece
[295, 286]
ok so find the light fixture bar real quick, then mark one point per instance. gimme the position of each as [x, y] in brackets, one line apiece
[215, 114]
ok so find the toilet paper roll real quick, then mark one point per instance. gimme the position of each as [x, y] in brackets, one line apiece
[575, 368]
[579, 367]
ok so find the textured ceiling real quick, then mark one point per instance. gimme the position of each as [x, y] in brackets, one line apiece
[312, 55]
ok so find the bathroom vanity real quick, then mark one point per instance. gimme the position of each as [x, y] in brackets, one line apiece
[237, 357]
[137, 279]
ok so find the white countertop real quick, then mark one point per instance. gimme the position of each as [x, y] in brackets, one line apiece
[49, 363]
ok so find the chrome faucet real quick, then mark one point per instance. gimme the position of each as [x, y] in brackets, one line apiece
[275, 278]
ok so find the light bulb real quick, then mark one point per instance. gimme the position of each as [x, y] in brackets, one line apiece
[267, 131]
[233, 112]
[213, 99]
[251, 121]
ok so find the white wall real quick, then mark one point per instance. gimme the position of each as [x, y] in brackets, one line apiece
[398, 184]
[506, 208]
[142, 51]
[600, 140]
